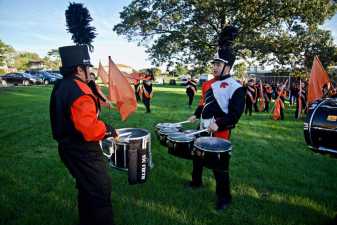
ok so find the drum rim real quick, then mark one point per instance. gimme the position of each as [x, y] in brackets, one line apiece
[135, 138]
[207, 150]
[170, 139]
[161, 132]
[177, 125]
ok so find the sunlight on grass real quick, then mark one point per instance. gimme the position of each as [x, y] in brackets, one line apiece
[275, 178]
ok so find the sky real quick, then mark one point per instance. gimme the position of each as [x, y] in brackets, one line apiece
[39, 25]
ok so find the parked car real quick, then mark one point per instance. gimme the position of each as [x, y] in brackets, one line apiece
[44, 77]
[18, 78]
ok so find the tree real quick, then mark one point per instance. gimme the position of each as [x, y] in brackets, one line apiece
[7, 54]
[240, 70]
[180, 70]
[156, 72]
[53, 59]
[22, 59]
[186, 30]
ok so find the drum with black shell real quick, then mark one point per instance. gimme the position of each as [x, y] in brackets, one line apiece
[213, 151]
[131, 153]
[180, 145]
[164, 132]
[167, 125]
[320, 126]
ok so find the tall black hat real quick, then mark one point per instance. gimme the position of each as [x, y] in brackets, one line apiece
[78, 19]
[225, 52]
[74, 55]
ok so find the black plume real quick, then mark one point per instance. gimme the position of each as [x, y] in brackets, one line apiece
[78, 19]
[227, 36]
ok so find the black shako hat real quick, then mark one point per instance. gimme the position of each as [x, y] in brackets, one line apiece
[74, 55]
[225, 55]
[225, 52]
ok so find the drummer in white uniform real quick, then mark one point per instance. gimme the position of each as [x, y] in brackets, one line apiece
[220, 108]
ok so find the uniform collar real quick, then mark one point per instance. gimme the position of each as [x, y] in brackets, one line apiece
[224, 77]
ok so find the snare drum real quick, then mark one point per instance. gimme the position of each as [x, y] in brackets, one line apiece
[192, 131]
[167, 125]
[180, 145]
[213, 151]
[164, 132]
[130, 153]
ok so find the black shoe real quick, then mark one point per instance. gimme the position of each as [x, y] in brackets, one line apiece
[193, 185]
[222, 204]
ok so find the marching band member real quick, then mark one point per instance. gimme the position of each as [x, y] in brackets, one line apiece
[136, 84]
[300, 100]
[250, 96]
[75, 123]
[221, 105]
[146, 92]
[191, 90]
[267, 95]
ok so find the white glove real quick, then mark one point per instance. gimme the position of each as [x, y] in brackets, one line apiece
[192, 119]
[213, 127]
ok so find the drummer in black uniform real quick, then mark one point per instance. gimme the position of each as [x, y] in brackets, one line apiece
[220, 108]
[191, 90]
[77, 128]
[250, 96]
[146, 91]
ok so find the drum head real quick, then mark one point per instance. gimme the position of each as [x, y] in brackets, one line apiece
[175, 134]
[181, 138]
[132, 133]
[168, 125]
[212, 144]
[168, 130]
[190, 131]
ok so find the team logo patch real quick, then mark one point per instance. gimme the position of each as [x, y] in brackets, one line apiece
[224, 85]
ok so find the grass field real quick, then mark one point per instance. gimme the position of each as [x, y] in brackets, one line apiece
[275, 179]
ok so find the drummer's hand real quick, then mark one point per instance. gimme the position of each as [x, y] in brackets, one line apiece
[192, 119]
[213, 127]
[116, 138]
[110, 131]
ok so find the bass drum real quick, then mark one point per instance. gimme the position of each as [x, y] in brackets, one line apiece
[320, 126]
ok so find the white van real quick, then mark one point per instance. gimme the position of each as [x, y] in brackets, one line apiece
[204, 77]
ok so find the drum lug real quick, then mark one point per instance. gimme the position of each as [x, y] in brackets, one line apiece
[219, 156]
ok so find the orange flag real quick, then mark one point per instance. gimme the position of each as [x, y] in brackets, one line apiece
[278, 103]
[318, 77]
[277, 109]
[121, 92]
[102, 74]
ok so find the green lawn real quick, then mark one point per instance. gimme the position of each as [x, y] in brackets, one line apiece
[275, 178]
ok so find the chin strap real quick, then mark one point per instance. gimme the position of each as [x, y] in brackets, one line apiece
[222, 72]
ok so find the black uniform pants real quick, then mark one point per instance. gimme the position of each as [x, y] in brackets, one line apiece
[146, 102]
[249, 106]
[221, 177]
[190, 98]
[86, 164]
[255, 106]
[266, 108]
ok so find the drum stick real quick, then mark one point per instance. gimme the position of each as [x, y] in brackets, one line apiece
[186, 121]
[197, 132]
[125, 134]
